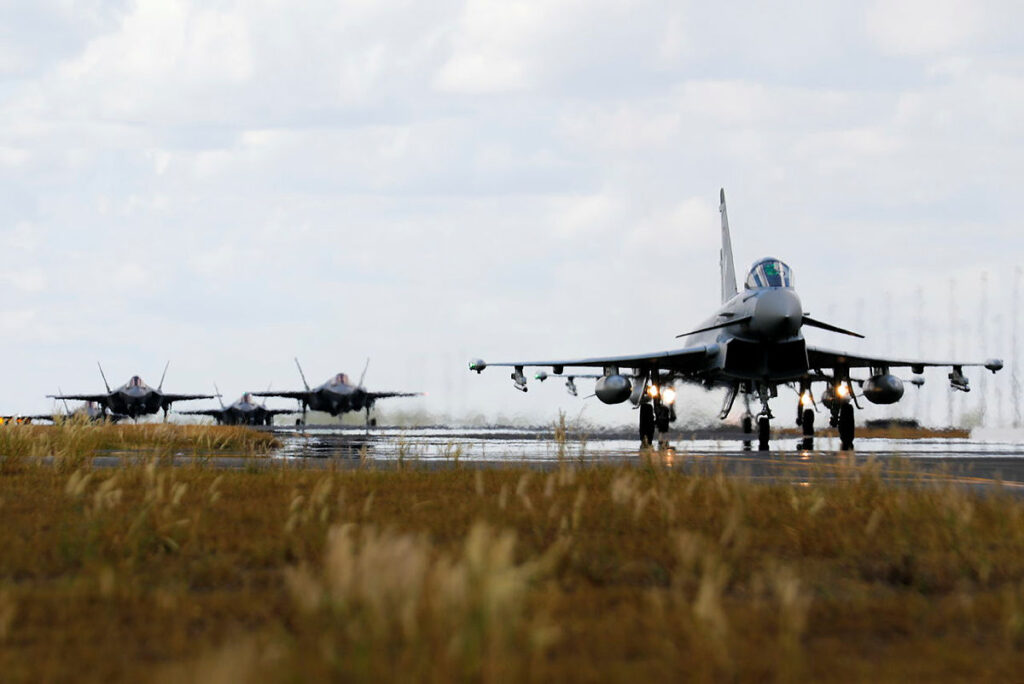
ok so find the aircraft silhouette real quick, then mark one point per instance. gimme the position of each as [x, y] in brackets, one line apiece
[337, 395]
[245, 411]
[134, 398]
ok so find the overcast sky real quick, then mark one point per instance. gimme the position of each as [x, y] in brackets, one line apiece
[230, 184]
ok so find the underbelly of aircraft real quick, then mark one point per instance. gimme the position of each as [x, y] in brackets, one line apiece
[756, 361]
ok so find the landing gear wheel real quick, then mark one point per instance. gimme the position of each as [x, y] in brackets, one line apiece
[764, 429]
[846, 429]
[661, 419]
[748, 424]
[807, 422]
[647, 424]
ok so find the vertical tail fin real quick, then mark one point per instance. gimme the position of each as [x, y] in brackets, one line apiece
[105, 383]
[725, 256]
[363, 376]
[160, 387]
[301, 374]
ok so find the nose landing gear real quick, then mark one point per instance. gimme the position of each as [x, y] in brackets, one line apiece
[764, 426]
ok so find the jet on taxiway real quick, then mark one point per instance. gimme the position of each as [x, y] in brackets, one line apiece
[245, 411]
[134, 398]
[89, 411]
[751, 345]
[337, 395]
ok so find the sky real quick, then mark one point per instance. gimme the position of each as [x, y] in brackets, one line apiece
[227, 185]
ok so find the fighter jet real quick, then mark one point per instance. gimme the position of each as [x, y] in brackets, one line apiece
[134, 398]
[750, 346]
[245, 411]
[89, 411]
[337, 395]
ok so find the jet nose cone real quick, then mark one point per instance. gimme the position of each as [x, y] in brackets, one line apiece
[778, 315]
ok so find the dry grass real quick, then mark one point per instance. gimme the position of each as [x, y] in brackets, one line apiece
[643, 573]
[71, 443]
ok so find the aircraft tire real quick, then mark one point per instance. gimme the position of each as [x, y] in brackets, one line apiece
[647, 424]
[661, 419]
[846, 428]
[807, 422]
[764, 431]
[748, 425]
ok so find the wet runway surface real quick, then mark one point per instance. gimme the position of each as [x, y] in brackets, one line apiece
[975, 463]
[982, 463]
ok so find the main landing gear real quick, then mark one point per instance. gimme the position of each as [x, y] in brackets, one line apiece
[647, 424]
[657, 412]
[842, 420]
[764, 431]
[846, 428]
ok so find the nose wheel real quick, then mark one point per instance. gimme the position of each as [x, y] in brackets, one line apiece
[764, 425]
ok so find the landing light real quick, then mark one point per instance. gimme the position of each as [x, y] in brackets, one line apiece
[652, 391]
[668, 396]
[806, 399]
[842, 390]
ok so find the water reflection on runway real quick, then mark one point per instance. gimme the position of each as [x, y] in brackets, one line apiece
[792, 459]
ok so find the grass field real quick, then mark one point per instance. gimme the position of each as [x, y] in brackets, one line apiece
[277, 574]
[72, 443]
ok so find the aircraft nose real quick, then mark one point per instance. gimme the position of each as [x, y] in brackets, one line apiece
[778, 315]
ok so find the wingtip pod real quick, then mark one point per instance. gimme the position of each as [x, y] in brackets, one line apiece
[721, 198]
[994, 365]
[477, 365]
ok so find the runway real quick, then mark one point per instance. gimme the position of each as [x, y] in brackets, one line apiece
[981, 464]
[975, 462]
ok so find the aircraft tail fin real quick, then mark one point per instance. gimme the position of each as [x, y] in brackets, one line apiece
[105, 383]
[728, 267]
[220, 397]
[160, 387]
[301, 374]
[65, 401]
[363, 376]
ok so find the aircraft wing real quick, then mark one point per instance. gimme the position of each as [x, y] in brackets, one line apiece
[827, 358]
[685, 361]
[98, 398]
[389, 395]
[213, 413]
[302, 394]
[168, 399]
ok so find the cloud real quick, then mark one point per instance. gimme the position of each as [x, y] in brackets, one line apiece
[230, 184]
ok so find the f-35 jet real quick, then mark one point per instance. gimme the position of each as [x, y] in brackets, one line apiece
[337, 395]
[89, 411]
[245, 411]
[134, 398]
[750, 346]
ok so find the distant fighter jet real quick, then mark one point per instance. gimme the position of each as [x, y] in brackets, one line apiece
[134, 398]
[337, 395]
[89, 410]
[245, 411]
[750, 346]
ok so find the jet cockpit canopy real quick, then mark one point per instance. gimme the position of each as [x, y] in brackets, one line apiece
[136, 381]
[769, 272]
[341, 379]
